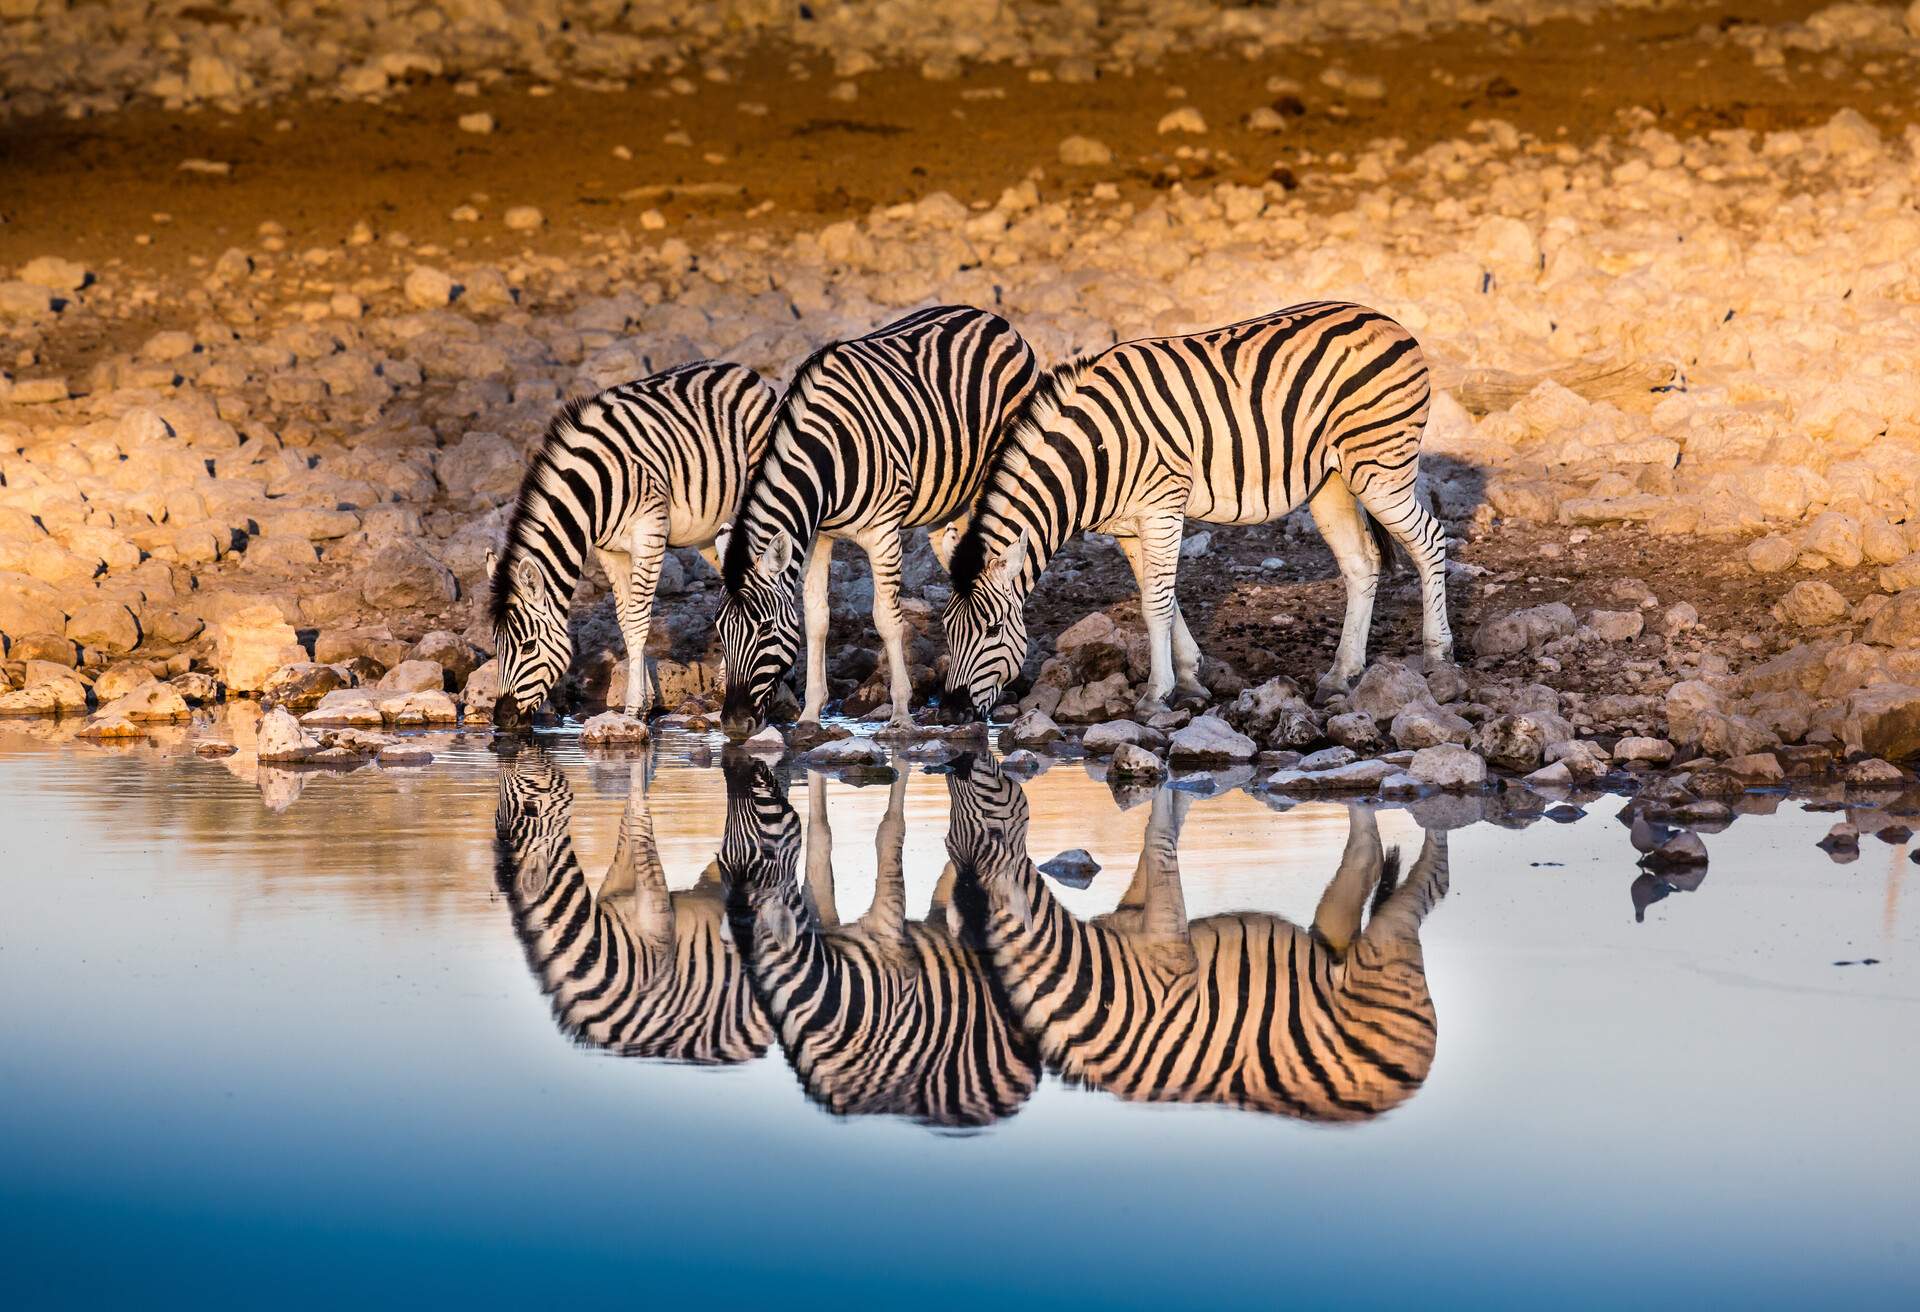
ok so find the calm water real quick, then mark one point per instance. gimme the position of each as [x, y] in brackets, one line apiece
[304, 1039]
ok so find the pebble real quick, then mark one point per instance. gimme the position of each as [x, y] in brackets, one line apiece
[479, 122]
[524, 218]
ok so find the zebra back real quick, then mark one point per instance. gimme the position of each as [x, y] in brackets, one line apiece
[634, 970]
[880, 1017]
[1245, 1009]
[689, 437]
[895, 426]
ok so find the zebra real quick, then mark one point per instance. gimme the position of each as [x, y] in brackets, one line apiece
[1332, 1023]
[625, 473]
[875, 435]
[1323, 403]
[881, 1016]
[634, 970]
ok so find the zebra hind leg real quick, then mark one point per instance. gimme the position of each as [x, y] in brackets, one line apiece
[1338, 516]
[882, 546]
[1154, 553]
[1395, 504]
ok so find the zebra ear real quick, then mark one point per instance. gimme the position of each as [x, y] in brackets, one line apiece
[720, 541]
[1013, 560]
[492, 562]
[527, 576]
[777, 556]
[944, 539]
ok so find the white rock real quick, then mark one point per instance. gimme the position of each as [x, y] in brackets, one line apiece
[281, 739]
[429, 288]
[524, 218]
[1448, 766]
[843, 752]
[613, 729]
[1208, 738]
[1082, 152]
[479, 122]
[1184, 119]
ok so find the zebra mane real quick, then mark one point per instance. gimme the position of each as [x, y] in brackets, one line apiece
[733, 567]
[527, 507]
[970, 553]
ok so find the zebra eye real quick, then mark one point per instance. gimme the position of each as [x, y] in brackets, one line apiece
[528, 646]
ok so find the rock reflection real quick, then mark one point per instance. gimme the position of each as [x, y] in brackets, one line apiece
[880, 1015]
[632, 968]
[1246, 1009]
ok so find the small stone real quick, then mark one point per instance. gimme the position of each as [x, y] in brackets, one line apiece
[479, 122]
[1684, 849]
[1075, 868]
[1772, 554]
[1616, 625]
[430, 288]
[401, 754]
[1084, 152]
[1184, 119]
[1678, 618]
[1843, 837]
[843, 752]
[1328, 758]
[767, 741]
[1032, 729]
[1106, 738]
[524, 218]
[1356, 730]
[1359, 776]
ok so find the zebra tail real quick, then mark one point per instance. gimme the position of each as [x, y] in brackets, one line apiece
[1393, 559]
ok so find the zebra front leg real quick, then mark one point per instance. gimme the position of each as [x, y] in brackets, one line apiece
[814, 604]
[618, 563]
[1159, 567]
[1186, 652]
[882, 546]
[1337, 918]
[1397, 508]
[646, 550]
[1344, 526]
[826, 912]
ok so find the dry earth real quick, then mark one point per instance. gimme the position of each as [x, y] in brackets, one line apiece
[331, 311]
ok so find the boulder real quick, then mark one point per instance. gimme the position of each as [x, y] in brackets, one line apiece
[1107, 738]
[1811, 603]
[299, 685]
[1520, 741]
[612, 729]
[1209, 740]
[1902, 574]
[149, 702]
[1884, 719]
[119, 679]
[1134, 763]
[404, 577]
[1874, 773]
[1359, 776]
[449, 651]
[430, 706]
[1357, 730]
[1032, 729]
[413, 676]
[1386, 688]
[482, 690]
[107, 626]
[1616, 625]
[1448, 766]
[1898, 622]
[280, 739]
[251, 645]
[1106, 699]
[1653, 751]
[1524, 630]
[1423, 726]
[346, 707]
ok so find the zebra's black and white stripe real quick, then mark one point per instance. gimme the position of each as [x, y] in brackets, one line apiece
[875, 436]
[627, 473]
[633, 969]
[1324, 404]
[880, 1016]
[1249, 1010]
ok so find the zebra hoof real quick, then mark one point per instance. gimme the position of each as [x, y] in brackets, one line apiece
[1330, 685]
[1148, 707]
[1190, 697]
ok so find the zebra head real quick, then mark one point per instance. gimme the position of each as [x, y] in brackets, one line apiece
[759, 626]
[531, 838]
[530, 634]
[986, 626]
[986, 822]
[760, 849]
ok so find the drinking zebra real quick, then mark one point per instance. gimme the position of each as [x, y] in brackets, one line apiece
[1323, 403]
[875, 436]
[1249, 1010]
[634, 969]
[627, 473]
[881, 1016]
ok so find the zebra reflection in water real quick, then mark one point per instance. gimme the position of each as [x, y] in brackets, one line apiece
[634, 969]
[1332, 1023]
[882, 1015]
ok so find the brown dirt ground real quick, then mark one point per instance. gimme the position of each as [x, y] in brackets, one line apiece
[87, 189]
